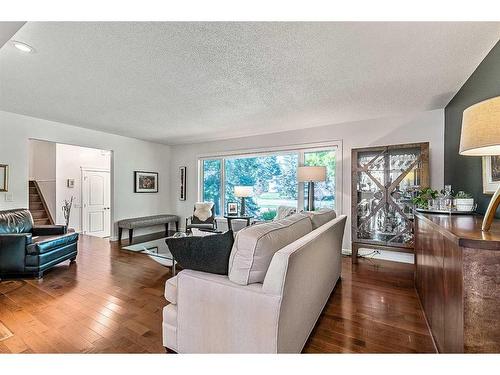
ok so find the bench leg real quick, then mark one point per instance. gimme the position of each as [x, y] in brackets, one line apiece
[120, 231]
[166, 229]
[177, 226]
[130, 235]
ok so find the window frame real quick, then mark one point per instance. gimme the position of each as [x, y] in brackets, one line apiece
[300, 149]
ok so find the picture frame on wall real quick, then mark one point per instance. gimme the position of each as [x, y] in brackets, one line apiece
[4, 177]
[145, 182]
[182, 183]
[491, 174]
[232, 208]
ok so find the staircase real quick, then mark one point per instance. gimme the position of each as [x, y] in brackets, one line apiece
[37, 205]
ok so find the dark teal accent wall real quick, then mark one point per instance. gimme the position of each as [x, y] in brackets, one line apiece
[464, 172]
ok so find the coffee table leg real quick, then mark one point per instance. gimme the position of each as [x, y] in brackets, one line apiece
[229, 224]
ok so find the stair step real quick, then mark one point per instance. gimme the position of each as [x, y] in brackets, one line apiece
[34, 206]
[33, 190]
[34, 198]
[41, 221]
[39, 214]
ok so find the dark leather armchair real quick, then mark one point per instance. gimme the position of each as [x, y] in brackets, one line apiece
[29, 250]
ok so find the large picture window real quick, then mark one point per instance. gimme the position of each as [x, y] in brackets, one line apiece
[272, 176]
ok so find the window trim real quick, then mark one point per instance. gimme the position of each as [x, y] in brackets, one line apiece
[301, 149]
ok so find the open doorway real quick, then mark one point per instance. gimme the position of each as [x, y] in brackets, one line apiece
[60, 172]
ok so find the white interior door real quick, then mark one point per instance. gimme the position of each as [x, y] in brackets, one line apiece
[96, 208]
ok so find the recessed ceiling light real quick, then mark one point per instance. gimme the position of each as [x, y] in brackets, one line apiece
[26, 48]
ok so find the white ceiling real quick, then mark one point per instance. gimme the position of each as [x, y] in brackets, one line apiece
[186, 82]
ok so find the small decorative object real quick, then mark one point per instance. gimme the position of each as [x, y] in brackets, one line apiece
[464, 201]
[66, 208]
[182, 181]
[4, 177]
[481, 137]
[70, 183]
[145, 182]
[447, 198]
[424, 197]
[311, 175]
[491, 174]
[232, 208]
[243, 192]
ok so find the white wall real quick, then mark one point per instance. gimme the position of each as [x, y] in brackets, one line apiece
[42, 168]
[128, 155]
[420, 127]
[69, 161]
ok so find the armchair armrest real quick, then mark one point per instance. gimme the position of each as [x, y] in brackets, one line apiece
[13, 251]
[48, 230]
[217, 315]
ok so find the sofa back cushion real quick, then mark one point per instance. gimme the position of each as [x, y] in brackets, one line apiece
[321, 217]
[16, 221]
[255, 246]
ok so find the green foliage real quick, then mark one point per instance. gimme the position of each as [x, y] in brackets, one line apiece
[268, 215]
[273, 178]
[212, 183]
[463, 195]
[421, 199]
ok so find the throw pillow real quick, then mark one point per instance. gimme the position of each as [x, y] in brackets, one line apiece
[284, 211]
[322, 216]
[255, 246]
[207, 254]
[203, 210]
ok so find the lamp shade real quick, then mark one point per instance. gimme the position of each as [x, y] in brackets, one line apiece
[481, 129]
[311, 174]
[243, 191]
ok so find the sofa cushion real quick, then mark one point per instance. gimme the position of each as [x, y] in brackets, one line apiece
[322, 216]
[170, 315]
[255, 246]
[171, 290]
[15, 221]
[206, 254]
[44, 244]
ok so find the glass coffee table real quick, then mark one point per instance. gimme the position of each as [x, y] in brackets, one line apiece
[156, 250]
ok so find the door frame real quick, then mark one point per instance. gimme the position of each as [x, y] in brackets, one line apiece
[93, 169]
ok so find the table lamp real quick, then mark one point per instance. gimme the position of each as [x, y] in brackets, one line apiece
[311, 175]
[481, 137]
[243, 192]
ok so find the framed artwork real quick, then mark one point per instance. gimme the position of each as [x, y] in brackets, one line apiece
[232, 208]
[145, 182]
[4, 177]
[491, 174]
[182, 183]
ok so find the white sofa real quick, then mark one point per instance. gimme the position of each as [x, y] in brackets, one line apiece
[212, 314]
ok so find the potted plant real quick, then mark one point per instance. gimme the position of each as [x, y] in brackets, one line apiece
[422, 197]
[464, 201]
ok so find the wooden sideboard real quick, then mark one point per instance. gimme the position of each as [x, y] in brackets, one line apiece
[457, 277]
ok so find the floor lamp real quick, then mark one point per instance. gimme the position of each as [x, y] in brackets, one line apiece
[481, 137]
[311, 175]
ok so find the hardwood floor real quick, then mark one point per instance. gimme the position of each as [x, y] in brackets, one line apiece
[110, 301]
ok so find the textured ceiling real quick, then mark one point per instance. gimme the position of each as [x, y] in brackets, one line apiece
[185, 82]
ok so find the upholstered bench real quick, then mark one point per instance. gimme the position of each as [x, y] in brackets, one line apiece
[146, 221]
